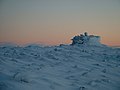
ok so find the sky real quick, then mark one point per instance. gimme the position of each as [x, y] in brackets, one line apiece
[54, 22]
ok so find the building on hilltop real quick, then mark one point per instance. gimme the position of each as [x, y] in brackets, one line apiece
[86, 39]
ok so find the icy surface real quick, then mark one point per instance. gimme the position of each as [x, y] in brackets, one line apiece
[64, 67]
[86, 40]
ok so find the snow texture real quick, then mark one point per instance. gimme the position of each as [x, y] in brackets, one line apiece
[86, 40]
[64, 67]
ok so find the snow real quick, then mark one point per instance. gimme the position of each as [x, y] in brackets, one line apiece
[64, 67]
[94, 41]
[86, 39]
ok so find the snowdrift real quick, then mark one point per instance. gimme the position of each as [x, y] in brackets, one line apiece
[64, 67]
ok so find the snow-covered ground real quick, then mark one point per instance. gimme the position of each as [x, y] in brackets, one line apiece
[64, 67]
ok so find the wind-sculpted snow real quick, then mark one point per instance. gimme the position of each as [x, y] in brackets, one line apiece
[64, 67]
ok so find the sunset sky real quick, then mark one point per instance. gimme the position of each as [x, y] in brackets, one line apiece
[54, 22]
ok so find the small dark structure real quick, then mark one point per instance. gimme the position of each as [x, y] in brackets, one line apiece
[86, 39]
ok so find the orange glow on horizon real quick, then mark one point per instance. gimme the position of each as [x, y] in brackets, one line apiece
[56, 22]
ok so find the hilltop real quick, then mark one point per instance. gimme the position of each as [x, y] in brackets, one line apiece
[64, 67]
